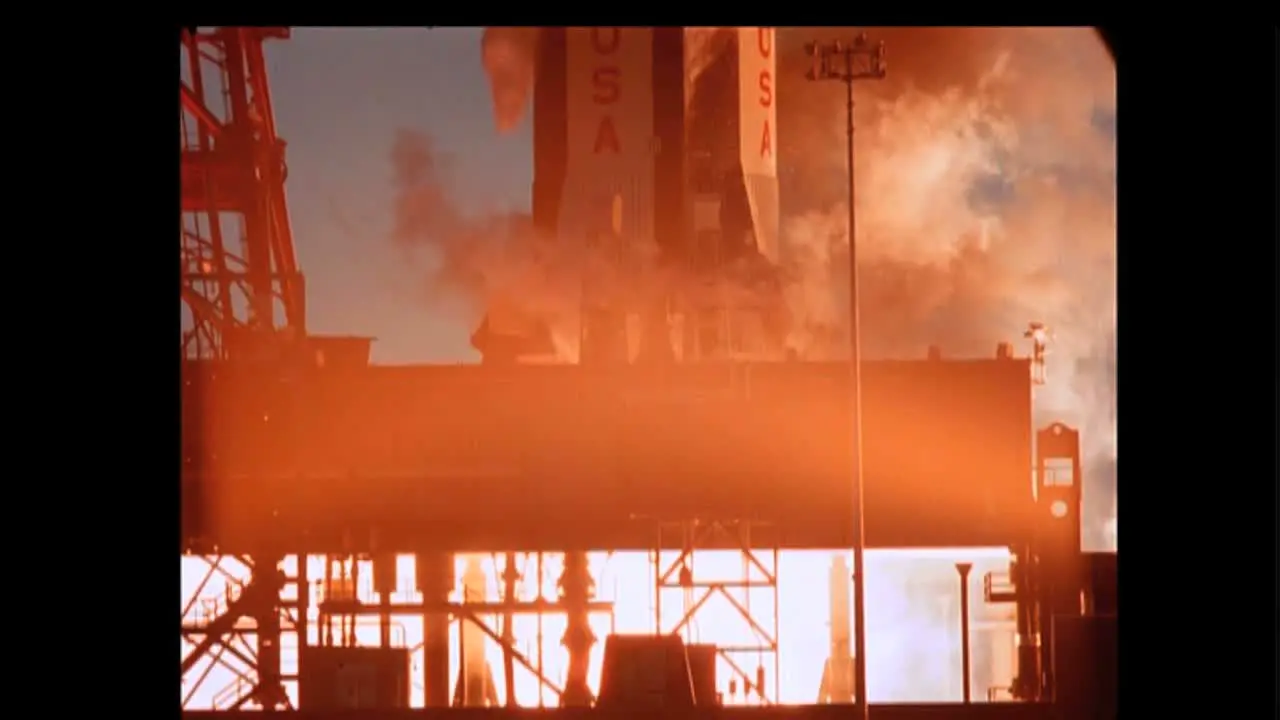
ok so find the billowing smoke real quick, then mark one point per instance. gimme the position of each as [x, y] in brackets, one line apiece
[499, 265]
[986, 200]
[481, 263]
[508, 54]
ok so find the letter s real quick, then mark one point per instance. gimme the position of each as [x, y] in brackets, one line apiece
[766, 89]
[605, 85]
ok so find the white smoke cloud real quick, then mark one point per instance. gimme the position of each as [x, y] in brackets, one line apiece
[986, 200]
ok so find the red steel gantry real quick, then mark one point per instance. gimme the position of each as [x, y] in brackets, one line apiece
[759, 572]
[240, 286]
[240, 278]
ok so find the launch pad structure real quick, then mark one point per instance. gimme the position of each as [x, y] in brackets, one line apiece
[295, 446]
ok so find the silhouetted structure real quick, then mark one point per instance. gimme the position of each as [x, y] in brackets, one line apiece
[294, 445]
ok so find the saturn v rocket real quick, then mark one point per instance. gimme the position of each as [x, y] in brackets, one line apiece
[655, 150]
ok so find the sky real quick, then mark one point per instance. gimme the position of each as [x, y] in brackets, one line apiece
[339, 96]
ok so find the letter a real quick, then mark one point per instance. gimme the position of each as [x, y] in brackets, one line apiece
[766, 141]
[607, 137]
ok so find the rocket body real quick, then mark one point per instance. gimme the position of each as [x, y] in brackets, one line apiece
[609, 179]
[660, 165]
[607, 205]
[732, 139]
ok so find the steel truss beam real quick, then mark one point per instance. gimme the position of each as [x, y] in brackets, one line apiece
[758, 571]
[232, 164]
[219, 626]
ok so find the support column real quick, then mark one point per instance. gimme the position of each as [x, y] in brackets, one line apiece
[1027, 684]
[384, 583]
[304, 608]
[269, 578]
[510, 576]
[435, 581]
[966, 673]
[576, 590]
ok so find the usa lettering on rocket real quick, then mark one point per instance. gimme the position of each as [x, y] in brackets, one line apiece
[617, 127]
[764, 83]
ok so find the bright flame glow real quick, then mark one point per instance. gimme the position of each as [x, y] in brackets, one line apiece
[913, 622]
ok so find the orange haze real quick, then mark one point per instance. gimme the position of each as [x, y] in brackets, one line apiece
[986, 196]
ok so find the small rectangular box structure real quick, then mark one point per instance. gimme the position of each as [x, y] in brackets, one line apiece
[702, 669]
[353, 678]
[645, 671]
[339, 351]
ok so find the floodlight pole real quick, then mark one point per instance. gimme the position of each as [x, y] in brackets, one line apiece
[848, 63]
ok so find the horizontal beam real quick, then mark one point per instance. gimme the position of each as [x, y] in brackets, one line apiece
[896, 711]
[476, 459]
[545, 607]
[814, 536]
[201, 112]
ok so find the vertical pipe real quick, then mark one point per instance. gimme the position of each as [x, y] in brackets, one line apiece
[304, 609]
[326, 620]
[965, 670]
[269, 577]
[384, 621]
[777, 630]
[435, 582]
[576, 589]
[460, 688]
[855, 372]
[384, 583]
[542, 671]
[349, 619]
[509, 577]
[657, 587]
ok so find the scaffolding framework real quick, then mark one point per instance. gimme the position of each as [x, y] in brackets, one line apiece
[240, 630]
[759, 571]
[240, 278]
[241, 627]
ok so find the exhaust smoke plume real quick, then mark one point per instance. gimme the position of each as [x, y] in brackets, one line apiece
[508, 54]
[481, 263]
[499, 264]
[986, 200]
